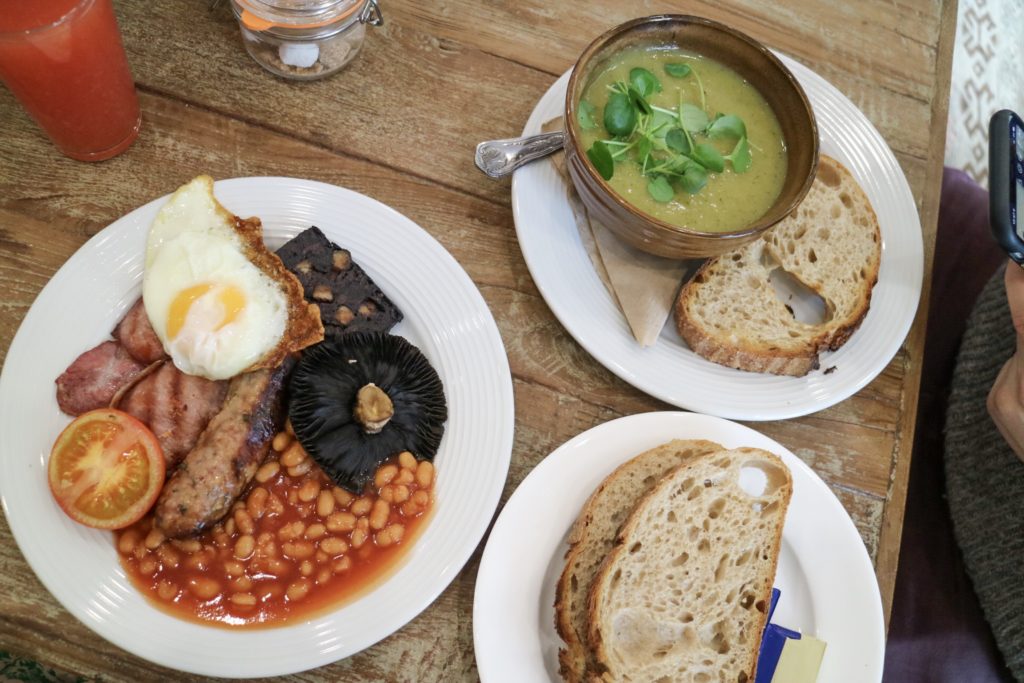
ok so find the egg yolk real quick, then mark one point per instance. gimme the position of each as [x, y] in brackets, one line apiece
[231, 300]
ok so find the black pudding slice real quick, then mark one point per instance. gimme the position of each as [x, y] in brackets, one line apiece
[342, 393]
[348, 299]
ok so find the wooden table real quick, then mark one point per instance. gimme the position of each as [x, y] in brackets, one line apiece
[400, 125]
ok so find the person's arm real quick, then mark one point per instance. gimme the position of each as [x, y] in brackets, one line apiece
[1006, 398]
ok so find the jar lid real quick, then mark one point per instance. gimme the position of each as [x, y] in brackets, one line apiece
[260, 15]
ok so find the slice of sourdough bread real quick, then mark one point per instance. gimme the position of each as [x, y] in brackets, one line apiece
[593, 535]
[684, 595]
[729, 312]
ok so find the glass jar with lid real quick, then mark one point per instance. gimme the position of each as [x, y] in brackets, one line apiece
[305, 39]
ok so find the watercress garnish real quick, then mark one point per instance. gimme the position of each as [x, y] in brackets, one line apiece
[669, 145]
[692, 118]
[601, 157]
[619, 114]
[727, 126]
[639, 100]
[585, 115]
[660, 189]
[708, 157]
[644, 146]
[677, 140]
[644, 81]
[694, 179]
[740, 157]
[677, 69]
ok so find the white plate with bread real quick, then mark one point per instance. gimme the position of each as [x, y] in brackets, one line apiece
[669, 369]
[827, 581]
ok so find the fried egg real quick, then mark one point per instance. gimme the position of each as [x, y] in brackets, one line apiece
[219, 301]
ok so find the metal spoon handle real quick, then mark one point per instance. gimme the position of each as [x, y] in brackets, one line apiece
[498, 158]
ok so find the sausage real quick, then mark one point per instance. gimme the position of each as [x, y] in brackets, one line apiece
[225, 459]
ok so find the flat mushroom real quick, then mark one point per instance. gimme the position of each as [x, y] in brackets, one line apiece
[363, 398]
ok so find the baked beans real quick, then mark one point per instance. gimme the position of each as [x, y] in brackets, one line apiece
[295, 543]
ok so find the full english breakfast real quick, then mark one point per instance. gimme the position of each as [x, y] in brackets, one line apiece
[180, 439]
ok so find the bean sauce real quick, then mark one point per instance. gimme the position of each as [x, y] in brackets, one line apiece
[293, 546]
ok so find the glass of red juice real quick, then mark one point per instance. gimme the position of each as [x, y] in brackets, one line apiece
[64, 62]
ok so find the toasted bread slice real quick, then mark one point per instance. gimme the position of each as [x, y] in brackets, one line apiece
[684, 594]
[729, 312]
[594, 534]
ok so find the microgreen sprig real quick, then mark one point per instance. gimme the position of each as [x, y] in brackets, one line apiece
[667, 144]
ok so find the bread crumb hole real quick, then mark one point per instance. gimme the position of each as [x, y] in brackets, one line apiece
[704, 546]
[681, 559]
[824, 233]
[761, 479]
[702, 677]
[694, 492]
[760, 606]
[635, 547]
[723, 562]
[716, 507]
[804, 304]
[812, 256]
[671, 517]
[747, 600]
[694, 532]
[743, 558]
[753, 481]
[742, 678]
[846, 200]
[719, 644]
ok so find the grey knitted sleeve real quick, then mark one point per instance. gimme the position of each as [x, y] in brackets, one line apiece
[984, 478]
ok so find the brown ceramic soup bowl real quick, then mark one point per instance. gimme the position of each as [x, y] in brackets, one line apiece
[755, 64]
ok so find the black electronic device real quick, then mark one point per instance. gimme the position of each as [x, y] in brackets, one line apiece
[1006, 182]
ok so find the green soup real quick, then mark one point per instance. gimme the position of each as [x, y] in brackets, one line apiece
[728, 199]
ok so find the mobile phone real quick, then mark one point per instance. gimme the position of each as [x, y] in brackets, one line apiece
[1006, 182]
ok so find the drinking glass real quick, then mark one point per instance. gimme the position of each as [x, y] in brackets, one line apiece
[64, 62]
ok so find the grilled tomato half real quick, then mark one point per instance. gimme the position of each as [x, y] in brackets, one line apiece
[106, 469]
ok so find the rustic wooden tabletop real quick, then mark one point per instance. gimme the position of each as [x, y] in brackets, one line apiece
[400, 124]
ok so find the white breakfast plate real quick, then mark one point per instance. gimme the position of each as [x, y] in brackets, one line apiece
[445, 316]
[828, 584]
[668, 370]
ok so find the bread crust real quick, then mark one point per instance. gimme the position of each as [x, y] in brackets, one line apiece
[800, 355]
[759, 615]
[575, 659]
[742, 355]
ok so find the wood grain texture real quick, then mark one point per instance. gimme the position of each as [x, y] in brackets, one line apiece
[399, 125]
[887, 561]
